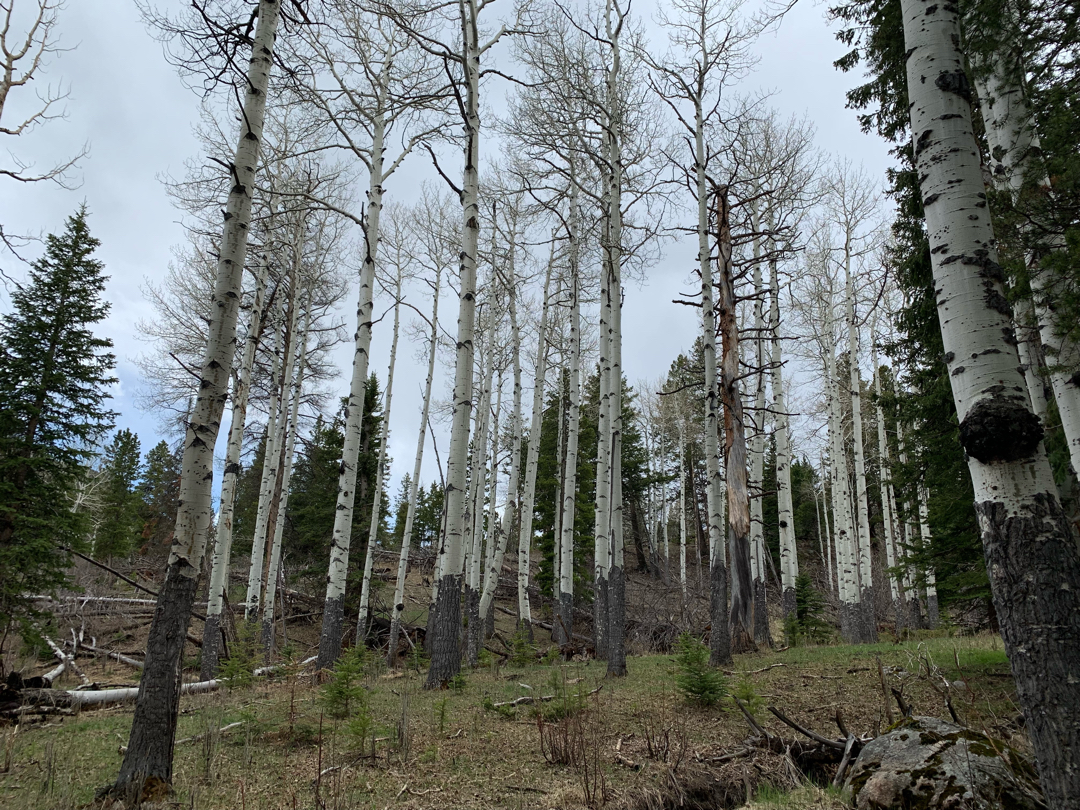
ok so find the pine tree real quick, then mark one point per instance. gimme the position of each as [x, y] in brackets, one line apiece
[119, 523]
[54, 375]
[160, 493]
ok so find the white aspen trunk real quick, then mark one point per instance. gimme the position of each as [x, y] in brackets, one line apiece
[513, 485]
[1032, 557]
[602, 517]
[414, 483]
[268, 481]
[474, 521]
[914, 615]
[535, 427]
[928, 580]
[219, 572]
[569, 470]
[884, 466]
[682, 511]
[789, 557]
[1014, 147]
[153, 729]
[484, 525]
[299, 357]
[757, 452]
[866, 620]
[363, 618]
[1027, 337]
[821, 537]
[341, 540]
[616, 575]
[842, 517]
[829, 544]
[719, 638]
[738, 496]
[444, 622]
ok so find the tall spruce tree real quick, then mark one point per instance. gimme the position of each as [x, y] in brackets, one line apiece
[54, 378]
[119, 525]
[160, 492]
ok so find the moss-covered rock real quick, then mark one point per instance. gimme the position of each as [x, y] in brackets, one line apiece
[928, 764]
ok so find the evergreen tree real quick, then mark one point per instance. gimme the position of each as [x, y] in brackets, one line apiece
[118, 515]
[54, 375]
[160, 493]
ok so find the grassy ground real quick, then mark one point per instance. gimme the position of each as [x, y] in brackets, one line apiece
[635, 737]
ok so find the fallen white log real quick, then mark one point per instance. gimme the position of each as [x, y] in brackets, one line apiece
[123, 659]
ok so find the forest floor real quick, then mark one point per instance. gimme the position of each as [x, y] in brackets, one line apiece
[637, 742]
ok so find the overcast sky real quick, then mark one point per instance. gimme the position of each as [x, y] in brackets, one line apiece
[136, 116]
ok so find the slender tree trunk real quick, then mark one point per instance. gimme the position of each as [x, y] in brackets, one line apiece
[738, 495]
[602, 521]
[1032, 556]
[1015, 149]
[414, 484]
[333, 623]
[149, 755]
[513, 485]
[757, 455]
[910, 542]
[535, 426]
[789, 556]
[885, 466]
[289, 447]
[928, 571]
[219, 575]
[682, 515]
[363, 619]
[478, 486]
[569, 470]
[275, 424]
[444, 623]
[867, 621]
[842, 518]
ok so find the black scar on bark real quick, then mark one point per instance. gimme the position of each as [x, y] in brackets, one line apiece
[1000, 430]
[444, 628]
[954, 81]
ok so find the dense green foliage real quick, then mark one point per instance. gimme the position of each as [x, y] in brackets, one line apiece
[119, 524]
[695, 679]
[54, 379]
[160, 492]
[807, 624]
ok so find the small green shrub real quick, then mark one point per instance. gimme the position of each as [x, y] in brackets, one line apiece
[748, 695]
[522, 653]
[345, 690]
[698, 681]
[238, 670]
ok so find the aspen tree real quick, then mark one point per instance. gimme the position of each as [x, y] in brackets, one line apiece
[528, 494]
[1032, 556]
[789, 557]
[569, 470]
[885, 476]
[757, 449]
[300, 353]
[414, 482]
[510, 510]
[153, 729]
[1015, 149]
[223, 535]
[363, 619]
[738, 495]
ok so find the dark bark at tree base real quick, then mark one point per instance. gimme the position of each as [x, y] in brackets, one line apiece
[330, 638]
[472, 626]
[525, 628]
[1034, 566]
[915, 619]
[899, 611]
[267, 637]
[565, 618]
[211, 648]
[392, 641]
[761, 615]
[616, 623]
[933, 616]
[848, 622]
[600, 609]
[868, 619]
[720, 635]
[444, 627]
[789, 602]
[149, 755]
